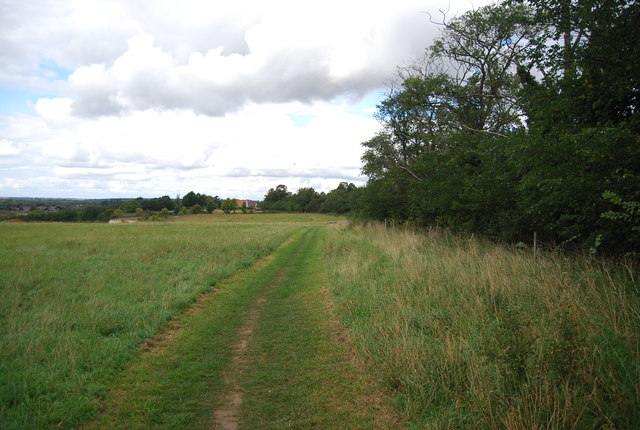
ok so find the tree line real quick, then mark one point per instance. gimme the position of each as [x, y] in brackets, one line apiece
[521, 117]
[342, 200]
[103, 210]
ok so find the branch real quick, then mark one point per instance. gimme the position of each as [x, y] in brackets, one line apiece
[494, 133]
[409, 171]
[512, 99]
[444, 16]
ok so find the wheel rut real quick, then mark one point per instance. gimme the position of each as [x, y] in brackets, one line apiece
[226, 414]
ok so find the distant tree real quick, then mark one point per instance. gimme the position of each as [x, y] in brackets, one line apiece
[244, 207]
[190, 199]
[89, 213]
[196, 209]
[65, 215]
[316, 202]
[166, 202]
[228, 205]
[303, 198]
[164, 213]
[340, 200]
[274, 196]
[105, 215]
[129, 206]
[211, 204]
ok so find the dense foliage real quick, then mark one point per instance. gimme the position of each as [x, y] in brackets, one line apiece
[521, 118]
[343, 199]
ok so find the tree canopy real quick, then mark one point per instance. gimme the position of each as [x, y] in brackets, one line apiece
[522, 117]
[344, 199]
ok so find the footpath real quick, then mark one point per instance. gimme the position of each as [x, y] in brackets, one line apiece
[261, 350]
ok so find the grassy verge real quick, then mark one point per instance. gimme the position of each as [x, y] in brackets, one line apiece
[469, 334]
[76, 299]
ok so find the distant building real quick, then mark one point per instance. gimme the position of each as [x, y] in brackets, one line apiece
[251, 204]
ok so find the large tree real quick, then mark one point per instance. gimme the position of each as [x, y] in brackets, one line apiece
[466, 85]
[449, 109]
[582, 89]
[276, 198]
[522, 118]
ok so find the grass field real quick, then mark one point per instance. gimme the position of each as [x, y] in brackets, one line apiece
[318, 324]
[263, 336]
[470, 334]
[76, 299]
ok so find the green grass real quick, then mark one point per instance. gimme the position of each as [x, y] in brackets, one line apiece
[76, 299]
[301, 376]
[297, 375]
[463, 333]
[176, 387]
[470, 334]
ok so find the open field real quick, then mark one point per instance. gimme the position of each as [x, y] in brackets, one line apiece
[76, 299]
[259, 352]
[299, 321]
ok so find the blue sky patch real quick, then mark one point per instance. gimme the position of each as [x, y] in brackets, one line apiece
[301, 120]
[51, 71]
[17, 100]
[367, 106]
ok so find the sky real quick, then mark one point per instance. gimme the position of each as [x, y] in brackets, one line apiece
[128, 98]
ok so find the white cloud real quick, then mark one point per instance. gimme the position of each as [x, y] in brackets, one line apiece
[7, 148]
[53, 108]
[175, 151]
[295, 51]
[229, 98]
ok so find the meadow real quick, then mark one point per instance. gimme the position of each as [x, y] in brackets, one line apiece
[469, 334]
[260, 351]
[454, 332]
[76, 300]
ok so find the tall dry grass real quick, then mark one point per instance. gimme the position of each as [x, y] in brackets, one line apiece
[468, 333]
